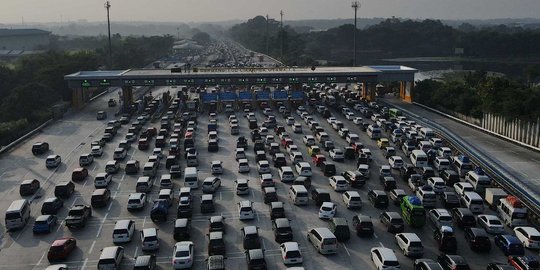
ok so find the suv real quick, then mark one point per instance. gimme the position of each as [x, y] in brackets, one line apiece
[354, 178]
[282, 230]
[393, 221]
[478, 239]
[463, 217]
[40, 148]
[363, 225]
[78, 215]
[449, 262]
[255, 259]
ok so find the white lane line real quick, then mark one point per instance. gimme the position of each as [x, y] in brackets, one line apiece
[144, 221]
[95, 166]
[136, 251]
[84, 264]
[61, 225]
[220, 197]
[346, 250]
[380, 243]
[263, 245]
[86, 181]
[41, 259]
[101, 225]
[111, 203]
[376, 236]
[92, 247]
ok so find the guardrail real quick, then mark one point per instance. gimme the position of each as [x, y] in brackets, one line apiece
[25, 136]
[500, 174]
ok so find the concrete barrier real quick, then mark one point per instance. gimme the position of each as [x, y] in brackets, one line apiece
[25, 136]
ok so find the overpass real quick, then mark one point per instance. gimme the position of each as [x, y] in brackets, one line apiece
[369, 76]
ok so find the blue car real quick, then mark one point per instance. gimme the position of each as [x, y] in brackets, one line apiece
[509, 244]
[44, 223]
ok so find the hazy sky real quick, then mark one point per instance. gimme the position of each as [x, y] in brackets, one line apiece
[15, 11]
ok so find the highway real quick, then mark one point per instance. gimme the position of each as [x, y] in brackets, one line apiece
[71, 136]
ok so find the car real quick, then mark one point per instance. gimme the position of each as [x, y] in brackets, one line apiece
[449, 199]
[477, 239]
[440, 217]
[392, 221]
[266, 180]
[97, 151]
[338, 183]
[529, 236]
[410, 244]
[39, 148]
[136, 201]
[53, 161]
[426, 264]
[217, 167]
[61, 248]
[357, 120]
[145, 262]
[328, 210]
[245, 210]
[44, 224]
[211, 184]
[217, 224]
[452, 262]
[255, 259]
[51, 206]
[524, 262]
[396, 195]
[101, 115]
[250, 237]
[79, 174]
[337, 154]
[384, 258]
[308, 140]
[29, 187]
[282, 229]
[182, 257]
[509, 245]
[499, 266]
[395, 162]
[382, 143]
[290, 253]
[491, 223]
[437, 184]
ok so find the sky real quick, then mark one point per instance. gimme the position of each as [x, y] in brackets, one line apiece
[17, 11]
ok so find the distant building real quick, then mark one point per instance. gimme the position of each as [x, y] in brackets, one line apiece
[24, 39]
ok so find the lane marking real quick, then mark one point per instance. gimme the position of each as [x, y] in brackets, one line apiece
[144, 221]
[91, 247]
[136, 251]
[346, 250]
[101, 225]
[381, 244]
[84, 264]
[42, 256]
[376, 236]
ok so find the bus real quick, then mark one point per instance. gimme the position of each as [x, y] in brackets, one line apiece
[512, 211]
[394, 113]
[412, 211]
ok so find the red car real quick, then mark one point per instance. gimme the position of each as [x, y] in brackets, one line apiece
[318, 159]
[524, 262]
[61, 248]
[285, 142]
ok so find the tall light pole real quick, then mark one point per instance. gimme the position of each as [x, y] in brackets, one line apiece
[108, 6]
[267, 37]
[355, 5]
[281, 35]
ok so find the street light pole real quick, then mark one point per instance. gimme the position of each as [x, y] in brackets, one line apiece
[108, 6]
[281, 35]
[355, 5]
[267, 37]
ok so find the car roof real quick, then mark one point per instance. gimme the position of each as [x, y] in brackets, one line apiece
[216, 219]
[143, 260]
[250, 230]
[183, 245]
[256, 254]
[291, 245]
[282, 222]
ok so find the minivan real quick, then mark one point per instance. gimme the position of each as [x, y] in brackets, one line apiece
[320, 195]
[299, 194]
[479, 181]
[363, 225]
[100, 197]
[191, 177]
[144, 184]
[419, 158]
[410, 244]
[102, 180]
[110, 258]
[323, 240]
[340, 228]
[149, 239]
[378, 198]
[123, 231]
[120, 153]
[17, 215]
[150, 169]
[473, 201]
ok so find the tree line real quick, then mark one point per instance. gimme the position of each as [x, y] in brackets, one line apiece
[32, 84]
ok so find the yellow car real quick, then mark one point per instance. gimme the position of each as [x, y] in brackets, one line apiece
[383, 142]
[313, 150]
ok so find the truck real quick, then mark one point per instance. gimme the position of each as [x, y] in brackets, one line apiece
[78, 215]
[493, 195]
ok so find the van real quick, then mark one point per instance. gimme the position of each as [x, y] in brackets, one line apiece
[328, 169]
[123, 231]
[303, 169]
[428, 197]
[374, 132]
[410, 244]
[17, 215]
[191, 177]
[165, 182]
[299, 195]
[286, 174]
[323, 240]
[363, 225]
[340, 228]
[473, 201]
[426, 133]
[144, 184]
[120, 154]
[320, 195]
[149, 239]
[378, 198]
[100, 197]
[441, 163]
[277, 210]
[419, 158]
[479, 181]
[425, 146]
[150, 169]
[110, 258]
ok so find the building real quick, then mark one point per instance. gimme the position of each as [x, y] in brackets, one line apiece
[24, 39]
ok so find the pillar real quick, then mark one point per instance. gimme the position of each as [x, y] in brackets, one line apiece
[77, 98]
[127, 98]
[370, 92]
[407, 92]
[363, 91]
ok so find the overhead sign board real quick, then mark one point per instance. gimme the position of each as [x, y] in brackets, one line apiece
[209, 97]
[297, 95]
[280, 95]
[227, 96]
[262, 95]
[245, 95]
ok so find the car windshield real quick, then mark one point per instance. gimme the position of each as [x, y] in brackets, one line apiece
[182, 253]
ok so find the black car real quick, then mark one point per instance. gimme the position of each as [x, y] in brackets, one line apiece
[463, 217]
[477, 239]
[40, 148]
[452, 262]
[64, 189]
[282, 230]
[445, 240]
[255, 259]
[29, 187]
[51, 206]
[450, 177]
[450, 199]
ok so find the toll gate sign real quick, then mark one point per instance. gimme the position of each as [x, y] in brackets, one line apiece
[280, 95]
[227, 96]
[297, 95]
[209, 97]
[245, 95]
[263, 95]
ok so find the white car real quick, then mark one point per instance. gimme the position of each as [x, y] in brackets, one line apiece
[327, 210]
[217, 167]
[97, 151]
[343, 132]
[136, 201]
[491, 223]
[384, 258]
[350, 116]
[395, 162]
[290, 253]
[385, 171]
[158, 152]
[245, 210]
[263, 166]
[292, 148]
[462, 187]
[338, 183]
[357, 120]
[263, 131]
[364, 170]
[440, 217]
[308, 140]
[337, 154]
[182, 257]
[290, 121]
[437, 184]
[243, 165]
[331, 120]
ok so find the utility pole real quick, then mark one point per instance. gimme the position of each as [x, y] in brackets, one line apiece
[355, 5]
[267, 37]
[281, 35]
[108, 6]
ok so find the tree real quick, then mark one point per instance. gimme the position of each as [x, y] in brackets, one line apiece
[202, 38]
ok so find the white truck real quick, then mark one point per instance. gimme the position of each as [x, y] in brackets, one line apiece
[493, 195]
